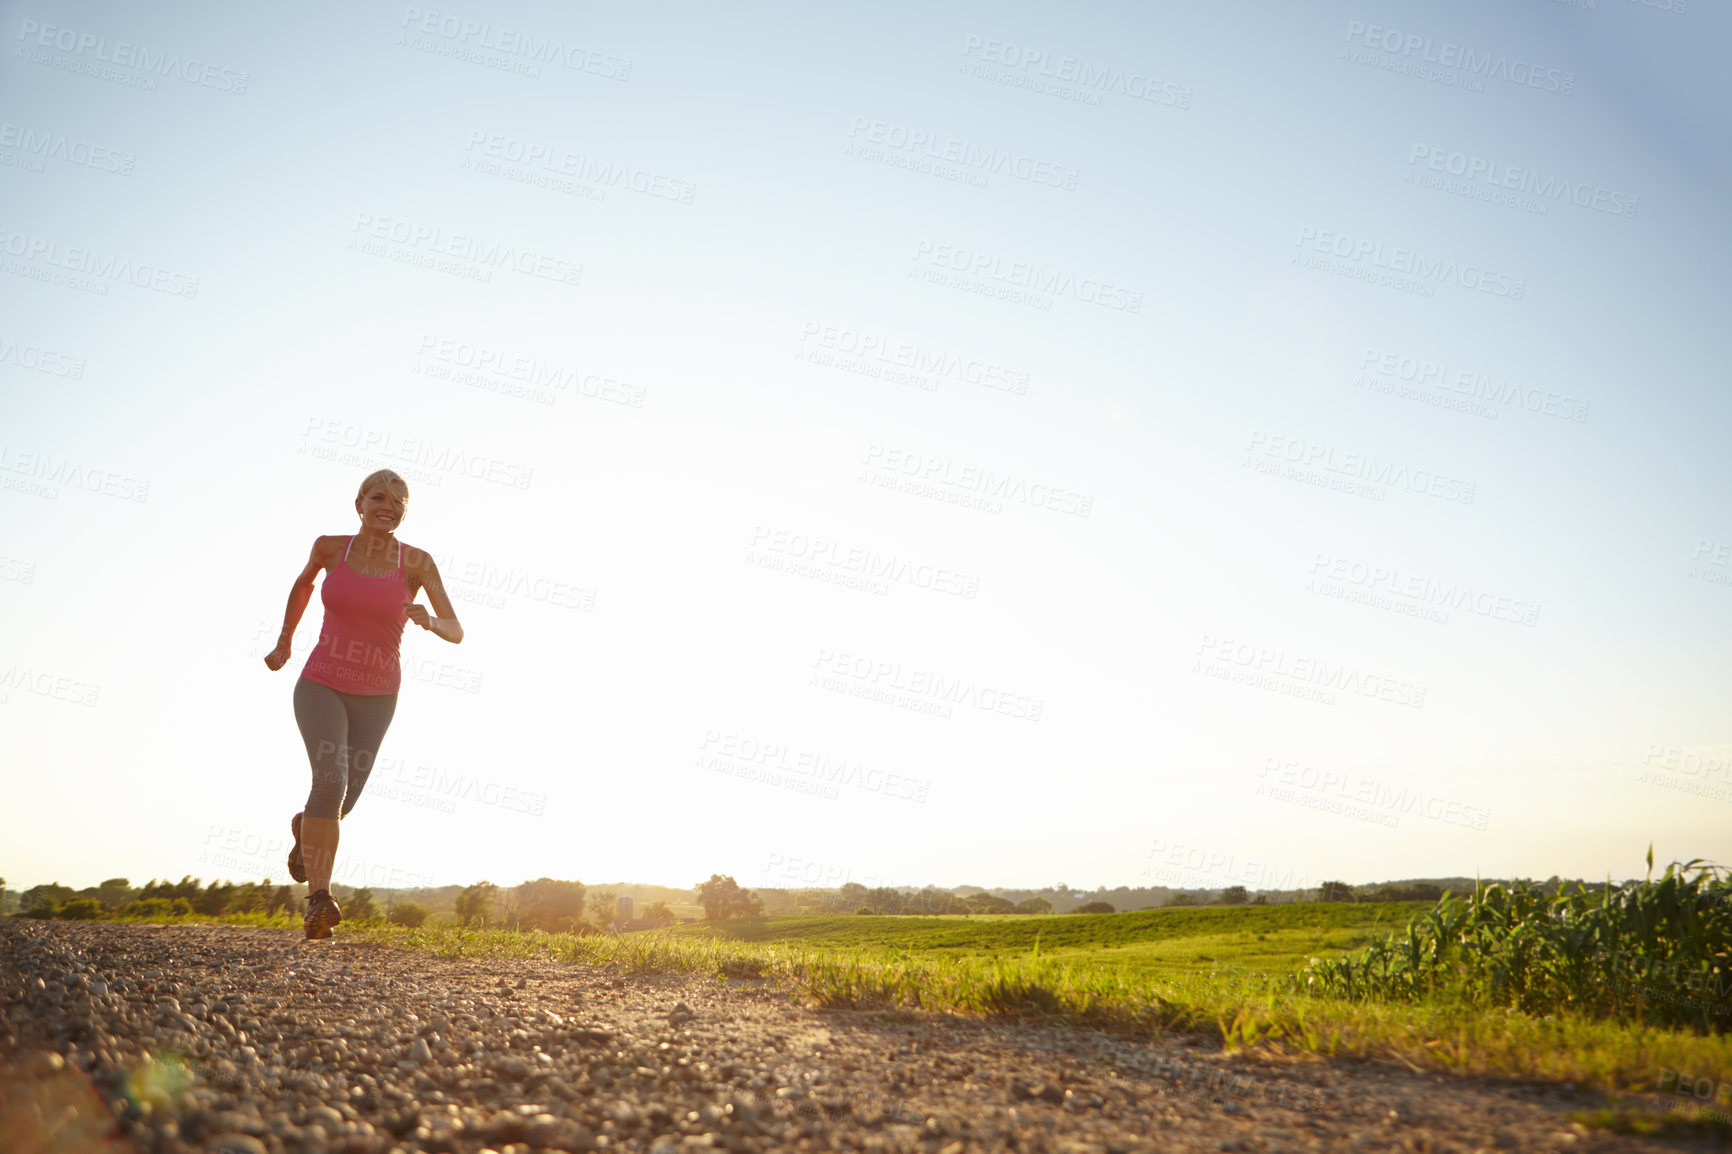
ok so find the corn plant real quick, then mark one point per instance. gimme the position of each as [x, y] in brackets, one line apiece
[1657, 952]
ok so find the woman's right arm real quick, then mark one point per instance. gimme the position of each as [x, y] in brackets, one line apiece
[299, 594]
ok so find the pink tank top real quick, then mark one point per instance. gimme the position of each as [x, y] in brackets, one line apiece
[363, 627]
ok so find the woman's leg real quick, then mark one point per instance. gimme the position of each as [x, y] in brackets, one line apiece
[324, 725]
[369, 717]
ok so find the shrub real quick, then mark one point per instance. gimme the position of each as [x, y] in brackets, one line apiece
[155, 908]
[410, 914]
[657, 910]
[81, 910]
[1335, 892]
[1034, 906]
[1094, 908]
[1233, 896]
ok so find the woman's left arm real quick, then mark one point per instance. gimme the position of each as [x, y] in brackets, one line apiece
[444, 625]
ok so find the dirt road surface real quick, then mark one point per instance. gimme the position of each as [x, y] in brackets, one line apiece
[252, 1041]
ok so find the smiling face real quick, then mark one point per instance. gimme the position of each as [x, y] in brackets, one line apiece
[383, 506]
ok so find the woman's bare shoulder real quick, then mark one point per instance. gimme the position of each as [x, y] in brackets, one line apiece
[325, 553]
[418, 559]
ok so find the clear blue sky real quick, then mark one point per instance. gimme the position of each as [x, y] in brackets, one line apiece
[997, 445]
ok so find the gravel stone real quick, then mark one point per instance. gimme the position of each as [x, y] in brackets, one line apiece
[237, 1144]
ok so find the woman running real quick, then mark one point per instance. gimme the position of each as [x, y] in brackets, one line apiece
[347, 691]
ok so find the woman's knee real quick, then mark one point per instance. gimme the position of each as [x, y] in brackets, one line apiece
[358, 774]
[330, 786]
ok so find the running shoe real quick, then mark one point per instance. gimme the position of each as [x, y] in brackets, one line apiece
[322, 914]
[297, 867]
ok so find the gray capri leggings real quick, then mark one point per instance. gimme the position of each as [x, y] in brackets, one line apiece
[342, 732]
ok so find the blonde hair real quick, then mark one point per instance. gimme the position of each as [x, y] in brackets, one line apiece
[388, 477]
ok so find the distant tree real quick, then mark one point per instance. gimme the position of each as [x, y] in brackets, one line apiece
[657, 910]
[1094, 908]
[1034, 906]
[604, 907]
[1233, 896]
[552, 905]
[930, 900]
[281, 899]
[187, 887]
[722, 898]
[475, 903]
[1335, 892]
[886, 900]
[1260, 900]
[507, 907]
[112, 893]
[410, 914]
[1420, 892]
[362, 906]
[248, 898]
[81, 910]
[214, 899]
[41, 901]
[1183, 898]
[988, 904]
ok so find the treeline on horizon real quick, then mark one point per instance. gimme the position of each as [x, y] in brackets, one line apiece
[574, 907]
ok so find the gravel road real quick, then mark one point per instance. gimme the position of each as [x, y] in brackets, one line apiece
[253, 1041]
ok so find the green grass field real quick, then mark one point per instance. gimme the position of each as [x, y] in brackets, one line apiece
[1179, 942]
